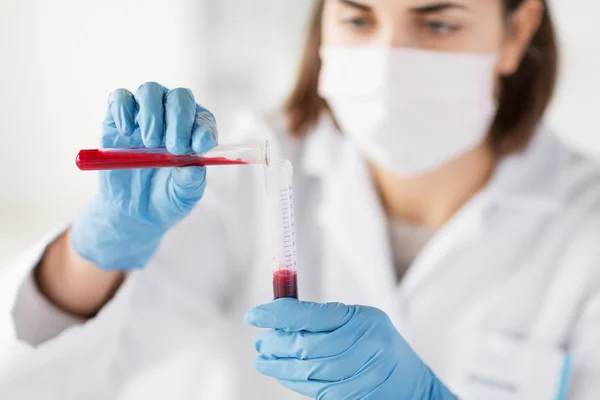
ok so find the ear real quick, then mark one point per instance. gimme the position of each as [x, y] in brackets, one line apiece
[523, 24]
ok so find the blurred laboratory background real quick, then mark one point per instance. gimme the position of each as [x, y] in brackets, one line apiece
[60, 59]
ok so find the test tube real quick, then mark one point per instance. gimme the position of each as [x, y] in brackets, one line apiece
[256, 152]
[280, 201]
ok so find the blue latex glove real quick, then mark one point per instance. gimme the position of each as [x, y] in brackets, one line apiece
[334, 351]
[123, 226]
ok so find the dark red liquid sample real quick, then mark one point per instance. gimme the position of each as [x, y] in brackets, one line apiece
[285, 284]
[98, 159]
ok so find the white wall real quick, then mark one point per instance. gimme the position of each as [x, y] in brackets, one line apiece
[61, 58]
[577, 106]
[254, 46]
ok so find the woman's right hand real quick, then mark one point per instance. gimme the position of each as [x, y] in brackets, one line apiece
[124, 224]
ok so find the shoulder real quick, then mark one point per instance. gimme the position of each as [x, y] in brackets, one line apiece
[548, 171]
[251, 125]
[578, 175]
[562, 186]
[565, 188]
[575, 179]
[577, 183]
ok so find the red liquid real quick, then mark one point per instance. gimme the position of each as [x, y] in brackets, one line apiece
[96, 160]
[285, 284]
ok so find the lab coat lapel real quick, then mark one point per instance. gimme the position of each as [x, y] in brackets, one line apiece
[357, 262]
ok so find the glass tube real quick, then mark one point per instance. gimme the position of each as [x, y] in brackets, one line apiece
[133, 158]
[282, 235]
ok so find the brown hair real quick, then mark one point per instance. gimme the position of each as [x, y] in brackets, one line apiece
[523, 96]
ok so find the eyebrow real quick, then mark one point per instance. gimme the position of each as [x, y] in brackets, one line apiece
[439, 7]
[360, 6]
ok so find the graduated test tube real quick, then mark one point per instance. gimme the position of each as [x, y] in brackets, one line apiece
[278, 179]
[133, 158]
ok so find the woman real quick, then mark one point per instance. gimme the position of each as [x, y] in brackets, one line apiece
[425, 187]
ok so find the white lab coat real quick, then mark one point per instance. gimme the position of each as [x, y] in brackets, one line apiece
[520, 260]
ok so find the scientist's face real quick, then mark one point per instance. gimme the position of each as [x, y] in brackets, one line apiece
[474, 26]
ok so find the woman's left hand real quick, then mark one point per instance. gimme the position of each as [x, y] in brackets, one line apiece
[335, 351]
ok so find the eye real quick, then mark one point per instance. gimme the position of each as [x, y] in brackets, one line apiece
[358, 23]
[441, 28]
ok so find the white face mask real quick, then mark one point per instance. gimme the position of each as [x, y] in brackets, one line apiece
[409, 111]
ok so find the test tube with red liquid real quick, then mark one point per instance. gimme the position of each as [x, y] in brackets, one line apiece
[133, 158]
[278, 179]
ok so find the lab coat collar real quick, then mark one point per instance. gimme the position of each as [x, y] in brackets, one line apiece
[538, 189]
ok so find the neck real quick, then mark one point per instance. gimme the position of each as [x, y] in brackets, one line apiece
[432, 198]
